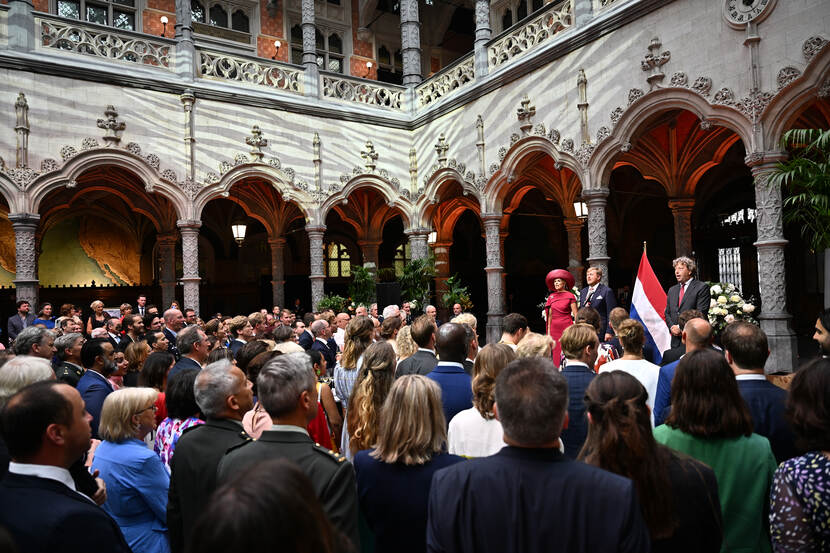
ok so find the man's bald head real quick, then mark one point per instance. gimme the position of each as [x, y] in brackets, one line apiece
[173, 319]
[697, 334]
[451, 343]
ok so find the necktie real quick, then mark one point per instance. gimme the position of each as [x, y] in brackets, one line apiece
[682, 289]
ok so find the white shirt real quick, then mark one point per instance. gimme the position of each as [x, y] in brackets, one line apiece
[288, 428]
[49, 472]
[471, 435]
[340, 338]
[432, 351]
[644, 371]
[750, 377]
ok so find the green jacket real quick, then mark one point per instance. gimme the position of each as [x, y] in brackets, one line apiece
[744, 468]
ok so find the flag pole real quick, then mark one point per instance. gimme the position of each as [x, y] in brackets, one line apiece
[644, 246]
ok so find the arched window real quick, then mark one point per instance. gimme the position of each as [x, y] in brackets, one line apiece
[240, 22]
[197, 11]
[338, 262]
[507, 19]
[521, 11]
[390, 66]
[120, 14]
[402, 257]
[328, 46]
[297, 44]
[218, 16]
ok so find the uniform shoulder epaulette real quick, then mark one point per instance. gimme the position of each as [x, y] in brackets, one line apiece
[247, 441]
[329, 453]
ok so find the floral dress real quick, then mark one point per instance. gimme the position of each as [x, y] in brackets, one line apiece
[167, 436]
[800, 504]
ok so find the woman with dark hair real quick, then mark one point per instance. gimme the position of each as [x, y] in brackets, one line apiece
[710, 421]
[271, 506]
[44, 316]
[800, 501]
[358, 337]
[219, 354]
[257, 420]
[154, 375]
[135, 354]
[325, 398]
[678, 495]
[393, 480]
[373, 384]
[182, 413]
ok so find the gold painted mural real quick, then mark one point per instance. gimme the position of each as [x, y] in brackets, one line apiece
[116, 251]
[7, 249]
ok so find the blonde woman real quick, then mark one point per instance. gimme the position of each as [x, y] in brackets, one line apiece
[373, 384]
[536, 345]
[136, 353]
[358, 337]
[406, 345]
[389, 329]
[475, 432]
[137, 482]
[408, 451]
[99, 317]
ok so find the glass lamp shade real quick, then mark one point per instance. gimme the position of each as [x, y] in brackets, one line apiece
[238, 230]
[581, 209]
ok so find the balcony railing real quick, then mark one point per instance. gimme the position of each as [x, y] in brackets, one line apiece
[523, 37]
[363, 91]
[445, 81]
[255, 71]
[105, 42]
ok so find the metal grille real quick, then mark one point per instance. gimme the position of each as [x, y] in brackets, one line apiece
[729, 266]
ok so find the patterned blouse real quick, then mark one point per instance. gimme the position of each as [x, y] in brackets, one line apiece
[168, 434]
[800, 504]
[344, 381]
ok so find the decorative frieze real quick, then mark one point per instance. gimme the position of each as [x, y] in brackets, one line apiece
[112, 127]
[653, 61]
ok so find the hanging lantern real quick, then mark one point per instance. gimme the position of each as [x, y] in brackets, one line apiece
[239, 228]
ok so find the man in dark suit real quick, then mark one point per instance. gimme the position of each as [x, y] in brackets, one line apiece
[241, 331]
[46, 429]
[134, 330]
[456, 385]
[223, 402]
[322, 333]
[113, 326]
[70, 369]
[94, 386]
[304, 336]
[20, 320]
[600, 297]
[746, 350]
[580, 347]
[193, 344]
[675, 353]
[472, 347]
[423, 360]
[287, 390]
[550, 501]
[688, 293]
[173, 323]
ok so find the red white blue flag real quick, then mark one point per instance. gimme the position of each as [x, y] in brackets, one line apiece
[648, 305]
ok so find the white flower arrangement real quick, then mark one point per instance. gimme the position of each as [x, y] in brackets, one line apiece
[727, 305]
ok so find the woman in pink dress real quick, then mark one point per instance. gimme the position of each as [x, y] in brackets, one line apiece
[560, 308]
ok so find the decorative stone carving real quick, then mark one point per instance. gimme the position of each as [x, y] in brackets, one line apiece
[625, 147]
[441, 84]
[653, 61]
[225, 67]
[514, 138]
[21, 127]
[787, 75]
[812, 46]
[753, 105]
[768, 209]
[568, 145]
[48, 165]
[410, 42]
[25, 226]
[502, 153]
[603, 133]
[679, 79]
[597, 236]
[169, 174]
[441, 148]
[554, 136]
[112, 127]
[211, 178]
[290, 173]
[154, 161]
[539, 129]
[538, 30]
[104, 43]
[525, 113]
[616, 115]
[191, 187]
[583, 155]
[418, 244]
[224, 167]
[190, 263]
[494, 167]
[275, 163]
[481, 181]
[22, 176]
[634, 94]
[257, 142]
[318, 274]
[557, 165]
[702, 86]
[723, 96]
[824, 89]
[89, 143]
[370, 157]
[240, 159]
[68, 152]
[705, 124]
[72, 183]
[134, 149]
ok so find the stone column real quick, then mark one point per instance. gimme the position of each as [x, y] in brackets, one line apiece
[190, 262]
[573, 225]
[318, 271]
[167, 265]
[418, 243]
[775, 320]
[312, 70]
[441, 251]
[277, 270]
[681, 209]
[25, 278]
[495, 282]
[370, 254]
[482, 14]
[410, 42]
[597, 236]
[185, 56]
[21, 26]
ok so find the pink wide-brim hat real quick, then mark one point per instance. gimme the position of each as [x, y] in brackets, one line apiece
[559, 273]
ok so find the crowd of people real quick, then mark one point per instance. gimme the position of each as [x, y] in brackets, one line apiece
[392, 432]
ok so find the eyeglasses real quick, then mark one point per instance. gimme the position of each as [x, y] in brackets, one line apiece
[154, 407]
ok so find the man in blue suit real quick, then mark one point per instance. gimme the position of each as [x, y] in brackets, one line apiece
[528, 497]
[456, 385]
[580, 348]
[747, 349]
[46, 429]
[96, 356]
[322, 333]
[600, 297]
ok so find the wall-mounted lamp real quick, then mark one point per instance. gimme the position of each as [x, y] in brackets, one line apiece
[581, 209]
[164, 21]
[368, 69]
[277, 45]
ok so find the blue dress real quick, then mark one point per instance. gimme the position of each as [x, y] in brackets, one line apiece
[137, 485]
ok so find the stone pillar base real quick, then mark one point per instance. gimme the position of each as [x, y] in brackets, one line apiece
[191, 293]
[494, 327]
[782, 343]
[27, 290]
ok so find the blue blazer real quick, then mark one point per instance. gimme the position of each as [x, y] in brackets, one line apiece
[766, 403]
[327, 352]
[456, 388]
[533, 501]
[235, 346]
[137, 486]
[181, 364]
[578, 377]
[662, 399]
[94, 389]
[44, 515]
[306, 339]
[171, 346]
[603, 301]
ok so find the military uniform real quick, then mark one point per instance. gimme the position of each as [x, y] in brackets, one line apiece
[69, 373]
[331, 475]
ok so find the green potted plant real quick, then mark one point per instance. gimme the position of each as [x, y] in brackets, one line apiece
[416, 279]
[456, 293]
[362, 286]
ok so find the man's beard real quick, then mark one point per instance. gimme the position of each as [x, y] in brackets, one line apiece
[109, 368]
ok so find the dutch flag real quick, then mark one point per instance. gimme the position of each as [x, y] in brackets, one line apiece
[648, 305]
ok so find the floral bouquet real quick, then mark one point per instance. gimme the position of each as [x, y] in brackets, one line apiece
[727, 305]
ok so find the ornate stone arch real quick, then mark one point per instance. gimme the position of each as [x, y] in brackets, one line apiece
[147, 170]
[643, 108]
[12, 194]
[797, 91]
[382, 185]
[443, 177]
